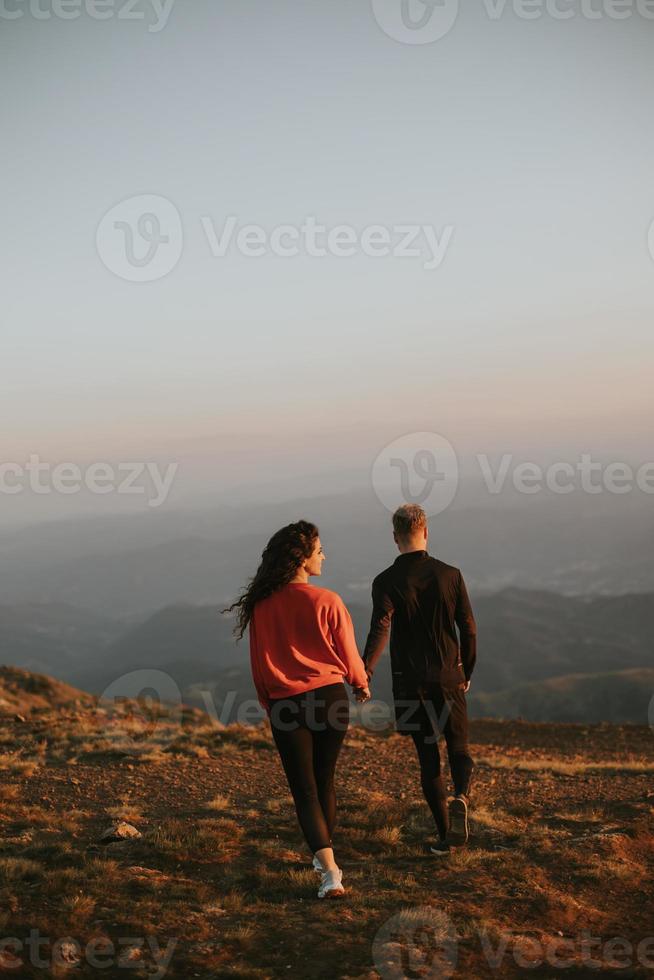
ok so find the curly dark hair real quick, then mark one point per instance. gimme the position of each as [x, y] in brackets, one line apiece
[280, 560]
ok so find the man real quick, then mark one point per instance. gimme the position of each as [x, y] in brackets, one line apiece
[421, 600]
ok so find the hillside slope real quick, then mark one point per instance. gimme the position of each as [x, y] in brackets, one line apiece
[23, 692]
[217, 883]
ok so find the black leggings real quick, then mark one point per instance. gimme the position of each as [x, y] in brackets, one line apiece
[442, 712]
[308, 730]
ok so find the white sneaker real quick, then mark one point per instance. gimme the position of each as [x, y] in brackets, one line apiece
[330, 884]
[317, 866]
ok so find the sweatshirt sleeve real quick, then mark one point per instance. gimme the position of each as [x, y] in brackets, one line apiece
[345, 643]
[259, 685]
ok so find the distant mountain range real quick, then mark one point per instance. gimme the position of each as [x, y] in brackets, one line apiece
[55, 638]
[542, 656]
[122, 566]
[562, 589]
[615, 696]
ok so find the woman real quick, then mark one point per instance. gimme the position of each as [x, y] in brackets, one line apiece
[302, 648]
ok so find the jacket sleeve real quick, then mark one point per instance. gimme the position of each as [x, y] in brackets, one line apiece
[380, 624]
[465, 622]
[342, 630]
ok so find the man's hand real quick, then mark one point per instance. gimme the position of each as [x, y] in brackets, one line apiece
[362, 694]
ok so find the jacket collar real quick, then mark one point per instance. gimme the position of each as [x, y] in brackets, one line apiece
[421, 553]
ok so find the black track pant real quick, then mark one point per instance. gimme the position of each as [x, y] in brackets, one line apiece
[308, 730]
[444, 712]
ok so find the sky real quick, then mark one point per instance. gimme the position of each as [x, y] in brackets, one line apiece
[523, 146]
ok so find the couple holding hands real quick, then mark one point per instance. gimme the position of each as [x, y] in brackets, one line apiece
[303, 651]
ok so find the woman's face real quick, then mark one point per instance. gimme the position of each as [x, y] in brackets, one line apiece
[313, 564]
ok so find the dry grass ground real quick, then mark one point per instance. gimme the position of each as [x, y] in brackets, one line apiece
[220, 885]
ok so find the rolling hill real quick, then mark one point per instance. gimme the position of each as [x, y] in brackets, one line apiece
[615, 696]
[526, 638]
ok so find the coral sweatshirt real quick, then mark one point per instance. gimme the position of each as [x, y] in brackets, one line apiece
[302, 637]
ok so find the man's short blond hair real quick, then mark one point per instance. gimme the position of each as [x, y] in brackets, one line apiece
[408, 520]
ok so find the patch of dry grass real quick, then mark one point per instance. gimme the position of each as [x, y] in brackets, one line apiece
[125, 811]
[14, 764]
[218, 802]
[389, 835]
[305, 878]
[561, 767]
[217, 838]
[20, 869]
[78, 909]
[496, 819]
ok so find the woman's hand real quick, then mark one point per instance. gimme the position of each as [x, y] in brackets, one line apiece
[362, 694]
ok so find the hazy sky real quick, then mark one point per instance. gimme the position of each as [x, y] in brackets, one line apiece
[531, 140]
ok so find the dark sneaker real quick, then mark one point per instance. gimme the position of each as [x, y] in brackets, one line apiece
[458, 834]
[441, 848]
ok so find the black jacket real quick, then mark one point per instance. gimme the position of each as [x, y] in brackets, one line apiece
[421, 600]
